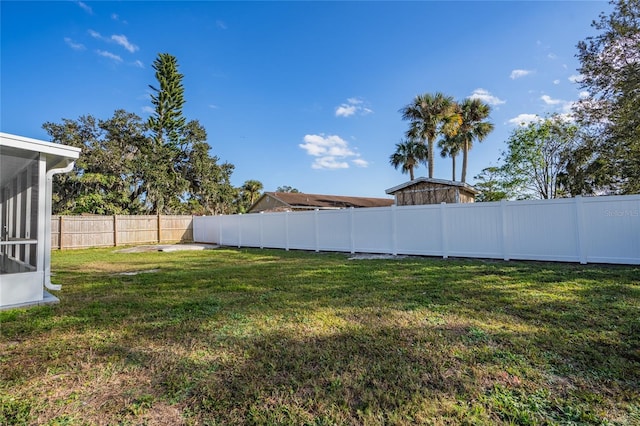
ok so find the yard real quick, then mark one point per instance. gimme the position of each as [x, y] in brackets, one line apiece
[273, 337]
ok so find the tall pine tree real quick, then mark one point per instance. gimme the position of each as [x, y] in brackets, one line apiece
[166, 156]
[181, 176]
[167, 121]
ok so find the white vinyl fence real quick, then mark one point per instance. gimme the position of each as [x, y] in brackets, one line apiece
[581, 229]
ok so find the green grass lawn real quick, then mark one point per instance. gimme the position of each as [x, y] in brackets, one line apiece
[273, 337]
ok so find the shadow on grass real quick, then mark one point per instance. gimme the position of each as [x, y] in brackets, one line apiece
[368, 375]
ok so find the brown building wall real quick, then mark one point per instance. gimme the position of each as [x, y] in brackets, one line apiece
[467, 197]
[428, 193]
[268, 203]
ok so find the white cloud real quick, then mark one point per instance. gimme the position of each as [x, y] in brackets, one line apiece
[524, 119]
[563, 108]
[329, 163]
[85, 7]
[584, 94]
[519, 73]
[486, 96]
[576, 78]
[550, 101]
[360, 162]
[221, 25]
[119, 39]
[148, 109]
[319, 145]
[116, 17]
[138, 64]
[74, 45]
[556, 82]
[345, 110]
[316, 144]
[552, 56]
[109, 55]
[122, 41]
[351, 107]
[332, 152]
[213, 106]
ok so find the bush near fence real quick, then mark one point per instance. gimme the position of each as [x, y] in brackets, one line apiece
[581, 229]
[74, 232]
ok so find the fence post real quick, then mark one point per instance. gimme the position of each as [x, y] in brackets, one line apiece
[60, 232]
[193, 234]
[394, 231]
[261, 229]
[504, 228]
[220, 229]
[286, 230]
[115, 230]
[443, 230]
[317, 229]
[580, 238]
[352, 237]
[158, 227]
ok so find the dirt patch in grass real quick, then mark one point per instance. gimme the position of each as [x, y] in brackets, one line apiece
[131, 273]
[167, 248]
[374, 256]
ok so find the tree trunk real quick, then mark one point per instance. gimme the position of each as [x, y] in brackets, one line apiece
[411, 172]
[465, 154]
[430, 153]
[453, 161]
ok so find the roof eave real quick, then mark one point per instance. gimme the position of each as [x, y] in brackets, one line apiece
[463, 185]
[35, 145]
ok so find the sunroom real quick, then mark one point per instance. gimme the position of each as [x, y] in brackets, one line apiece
[27, 167]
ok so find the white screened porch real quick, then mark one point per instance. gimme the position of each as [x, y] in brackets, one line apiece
[27, 167]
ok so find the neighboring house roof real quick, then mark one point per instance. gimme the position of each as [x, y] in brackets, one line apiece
[300, 201]
[463, 185]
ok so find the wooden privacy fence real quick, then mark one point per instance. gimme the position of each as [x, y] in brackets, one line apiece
[74, 232]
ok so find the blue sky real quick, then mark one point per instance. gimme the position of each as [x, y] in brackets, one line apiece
[304, 94]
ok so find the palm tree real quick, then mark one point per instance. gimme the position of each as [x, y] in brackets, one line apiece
[430, 115]
[408, 155]
[450, 146]
[473, 112]
[251, 189]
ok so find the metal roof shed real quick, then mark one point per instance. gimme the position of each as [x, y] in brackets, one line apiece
[424, 190]
[27, 167]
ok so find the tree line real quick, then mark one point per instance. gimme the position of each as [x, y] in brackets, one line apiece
[159, 166]
[593, 151]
